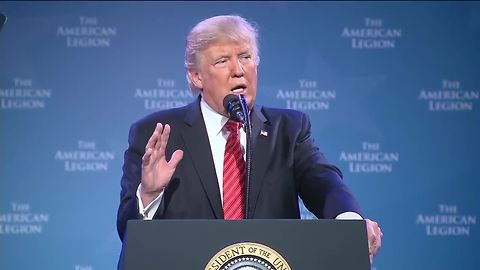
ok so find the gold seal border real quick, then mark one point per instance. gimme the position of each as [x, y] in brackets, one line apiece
[247, 249]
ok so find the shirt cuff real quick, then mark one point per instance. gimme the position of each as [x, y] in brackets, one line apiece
[349, 215]
[149, 211]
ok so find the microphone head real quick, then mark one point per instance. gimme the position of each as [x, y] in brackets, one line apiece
[233, 106]
[3, 20]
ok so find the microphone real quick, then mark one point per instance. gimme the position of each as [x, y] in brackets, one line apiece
[233, 105]
[238, 110]
[3, 20]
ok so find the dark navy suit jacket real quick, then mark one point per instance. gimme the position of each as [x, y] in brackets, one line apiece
[285, 164]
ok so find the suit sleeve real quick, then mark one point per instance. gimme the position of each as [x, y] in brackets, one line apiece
[128, 208]
[321, 186]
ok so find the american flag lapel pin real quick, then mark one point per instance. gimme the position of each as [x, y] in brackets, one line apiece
[263, 133]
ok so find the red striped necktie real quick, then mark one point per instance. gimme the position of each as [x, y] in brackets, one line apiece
[233, 174]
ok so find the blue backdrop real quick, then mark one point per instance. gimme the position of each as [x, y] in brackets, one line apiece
[392, 90]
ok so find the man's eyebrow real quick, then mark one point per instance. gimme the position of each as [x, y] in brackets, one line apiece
[221, 56]
[245, 51]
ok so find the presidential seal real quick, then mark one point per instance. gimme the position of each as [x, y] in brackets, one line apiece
[247, 256]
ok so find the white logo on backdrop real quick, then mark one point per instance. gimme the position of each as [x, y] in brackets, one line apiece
[86, 158]
[24, 96]
[164, 95]
[372, 35]
[447, 221]
[83, 267]
[371, 159]
[307, 97]
[451, 97]
[21, 220]
[88, 33]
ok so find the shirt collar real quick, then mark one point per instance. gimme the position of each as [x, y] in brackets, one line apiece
[214, 121]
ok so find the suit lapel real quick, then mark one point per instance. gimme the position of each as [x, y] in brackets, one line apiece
[262, 146]
[198, 147]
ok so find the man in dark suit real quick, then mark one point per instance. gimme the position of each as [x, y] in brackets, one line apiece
[174, 165]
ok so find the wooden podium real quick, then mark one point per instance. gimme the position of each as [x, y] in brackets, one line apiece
[245, 244]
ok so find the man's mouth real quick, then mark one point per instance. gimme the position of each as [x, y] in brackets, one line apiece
[239, 89]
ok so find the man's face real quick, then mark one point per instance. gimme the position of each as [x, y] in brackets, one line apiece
[225, 68]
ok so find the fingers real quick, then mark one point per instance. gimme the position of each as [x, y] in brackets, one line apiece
[374, 237]
[176, 157]
[157, 132]
[156, 146]
[380, 235]
[150, 147]
[158, 140]
[147, 157]
[162, 144]
[153, 139]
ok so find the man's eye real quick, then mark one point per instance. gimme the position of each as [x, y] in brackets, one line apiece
[221, 61]
[245, 58]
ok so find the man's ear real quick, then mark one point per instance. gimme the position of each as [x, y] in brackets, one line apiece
[195, 78]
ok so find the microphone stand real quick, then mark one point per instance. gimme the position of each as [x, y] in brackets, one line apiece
[248, 132]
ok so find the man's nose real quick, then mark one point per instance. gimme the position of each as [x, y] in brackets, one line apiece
[237, 68]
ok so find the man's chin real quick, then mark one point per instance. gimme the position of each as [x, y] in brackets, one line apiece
[250, 101]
